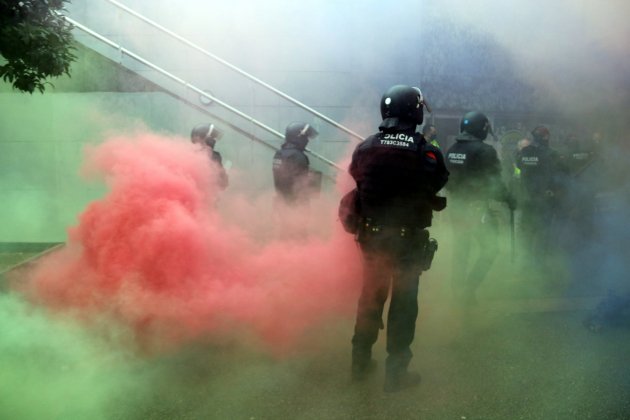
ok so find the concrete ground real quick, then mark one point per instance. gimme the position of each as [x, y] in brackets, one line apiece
[521, 353]
[482, 365]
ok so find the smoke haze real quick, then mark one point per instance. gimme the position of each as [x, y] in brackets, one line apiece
[155, 254]
[572, 48]
[170, 296]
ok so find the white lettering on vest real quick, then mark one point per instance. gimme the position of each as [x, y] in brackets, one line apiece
[398, 137]
[529, 160]
[457, 158]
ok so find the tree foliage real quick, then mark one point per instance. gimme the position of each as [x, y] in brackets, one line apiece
[36, 42]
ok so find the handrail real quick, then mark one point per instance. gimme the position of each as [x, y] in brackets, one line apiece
[230, 108]
[238, 70]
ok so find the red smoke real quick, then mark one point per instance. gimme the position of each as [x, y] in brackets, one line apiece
[157, 255]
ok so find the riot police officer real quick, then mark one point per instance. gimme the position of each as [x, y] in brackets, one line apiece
[207, 135]
[429, 132]
[397, 176]
[474, 182]
[543, 178]
[293, 180]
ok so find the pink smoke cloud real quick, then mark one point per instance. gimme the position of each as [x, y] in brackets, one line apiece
[157, 255]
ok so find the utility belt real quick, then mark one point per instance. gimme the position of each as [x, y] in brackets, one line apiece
[368, 226]
[369, 231]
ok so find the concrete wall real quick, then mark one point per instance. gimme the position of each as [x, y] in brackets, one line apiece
[42, 139]
[42, 136]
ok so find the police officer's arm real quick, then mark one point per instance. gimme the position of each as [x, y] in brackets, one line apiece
[223, 178]
[436, 168]
[355, 166]
[298, 164]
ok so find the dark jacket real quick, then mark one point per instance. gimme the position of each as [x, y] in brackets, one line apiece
[475, 170]
[543, 174]
[217, 159]
[398, 175]
[290, 172]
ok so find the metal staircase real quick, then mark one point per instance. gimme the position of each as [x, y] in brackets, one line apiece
[161, 68]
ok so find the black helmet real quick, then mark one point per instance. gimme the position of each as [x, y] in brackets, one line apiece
[299, 133]
[541, 135]
[401, 107]
[475, 123]
[206, 133]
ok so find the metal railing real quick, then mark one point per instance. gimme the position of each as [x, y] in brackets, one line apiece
[124, 51]
[238, 70]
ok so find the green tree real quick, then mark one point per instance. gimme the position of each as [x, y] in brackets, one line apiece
[35, 41]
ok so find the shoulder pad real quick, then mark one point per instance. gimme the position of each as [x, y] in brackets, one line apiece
[431, 151]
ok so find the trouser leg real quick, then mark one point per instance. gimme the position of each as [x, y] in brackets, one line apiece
[370, 311]
[401, 327]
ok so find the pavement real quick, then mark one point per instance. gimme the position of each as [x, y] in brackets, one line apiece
[480, 364]
[521, 353]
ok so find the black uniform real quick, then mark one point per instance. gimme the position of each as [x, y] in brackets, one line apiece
[295, 183]
[543, 178]
[290, 173]
[397, 175]
[475, 180]
[216, 158]
[207, 135]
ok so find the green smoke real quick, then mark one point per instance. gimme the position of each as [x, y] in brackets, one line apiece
[54, 369]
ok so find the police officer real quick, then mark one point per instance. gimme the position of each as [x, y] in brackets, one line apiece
[475, 181]
[207, 135]
[543, 177]
[429, 132]
[293, 181]
[397, 176]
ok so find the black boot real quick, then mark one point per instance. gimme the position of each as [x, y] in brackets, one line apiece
[361, 371]
[397, 377]
[362, 365]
